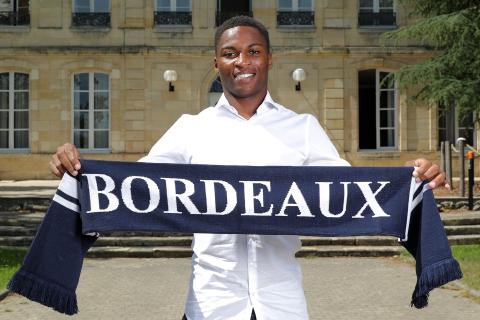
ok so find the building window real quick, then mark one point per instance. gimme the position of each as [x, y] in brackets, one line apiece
[14, 122]
[377, 110]
[295, 12]
[451, 126]
[14, 12]
[94, 13]
[227, 9]
[376, 13]
[173, 12]
[91, 100]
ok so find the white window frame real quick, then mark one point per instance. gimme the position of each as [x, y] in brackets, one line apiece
[378, 91]
[91, 6]
[376, 6]
[456, 125]
[294, 6]
[11, 112]
[91, 112]
[173, 6]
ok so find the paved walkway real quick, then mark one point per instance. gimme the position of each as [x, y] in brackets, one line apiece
[336, 288]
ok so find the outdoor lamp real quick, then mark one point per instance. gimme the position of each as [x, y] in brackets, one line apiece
[170, 76]
[298, 75]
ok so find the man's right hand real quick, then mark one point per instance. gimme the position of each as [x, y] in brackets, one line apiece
[67, 158]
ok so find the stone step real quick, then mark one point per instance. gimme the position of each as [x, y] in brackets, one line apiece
[462, 230]
[185, 241]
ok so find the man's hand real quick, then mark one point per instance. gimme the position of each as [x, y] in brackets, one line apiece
[425, 169]
[67, 158]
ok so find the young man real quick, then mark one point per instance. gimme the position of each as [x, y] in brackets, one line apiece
[234, 274]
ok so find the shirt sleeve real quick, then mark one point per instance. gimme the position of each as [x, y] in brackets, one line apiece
[320, 149]
[172, 147]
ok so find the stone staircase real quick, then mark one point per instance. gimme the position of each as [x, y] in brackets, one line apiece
[17, 229]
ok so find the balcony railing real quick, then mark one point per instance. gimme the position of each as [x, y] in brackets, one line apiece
[15, 18]
[295, 18]
[222, 16]
[374, 19]
[91, 19]
[172, 18]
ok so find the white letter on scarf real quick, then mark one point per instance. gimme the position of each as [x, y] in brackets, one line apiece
[299, 202]
[94, 192]
[211, 198]
[371, 200]
[324, 194]
[153, 192]
[184, 198]
[250, 198]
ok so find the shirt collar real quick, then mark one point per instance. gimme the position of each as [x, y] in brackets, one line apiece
[265, 106]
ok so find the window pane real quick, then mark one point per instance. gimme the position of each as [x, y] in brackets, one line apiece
[80, 120]
[101, 81]
[387, 118]
[285, 4]
[366, 3]
[6, 5]
[20, 139]
[386, 83]
[163, 5]
[3, 139]
[101, 120]
[20, 119]
[3, 119]
[305, 5]
[80, 139]
[183, 5]
[101, 100]
[80, 100]
[387, 99]
[81, 81]
[21, 100]
[4, 100]
[4, 81]
[386, 3]
[101, 139]
[82, 6]
[387, 138]
[21, 81]
[102, 6]
[23, 3]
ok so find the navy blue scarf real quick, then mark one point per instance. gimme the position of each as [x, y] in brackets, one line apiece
[325, 201]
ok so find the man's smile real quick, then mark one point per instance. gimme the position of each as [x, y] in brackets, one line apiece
[241, 75]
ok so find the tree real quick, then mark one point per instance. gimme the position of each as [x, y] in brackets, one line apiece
[452, 76]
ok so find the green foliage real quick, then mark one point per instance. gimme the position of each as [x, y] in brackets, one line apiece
[452, 75]
[469, 258]
[10, 260]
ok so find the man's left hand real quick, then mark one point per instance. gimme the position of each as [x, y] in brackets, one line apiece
[426, 170]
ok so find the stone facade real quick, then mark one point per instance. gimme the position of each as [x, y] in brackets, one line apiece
[135, 52]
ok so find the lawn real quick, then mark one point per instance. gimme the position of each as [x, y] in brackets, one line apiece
[10, 260]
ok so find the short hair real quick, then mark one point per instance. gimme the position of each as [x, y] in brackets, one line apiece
[242, 21]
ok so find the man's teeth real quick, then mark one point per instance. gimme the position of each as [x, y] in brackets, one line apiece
[244, 75]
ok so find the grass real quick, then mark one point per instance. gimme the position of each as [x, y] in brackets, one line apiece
[10, 260]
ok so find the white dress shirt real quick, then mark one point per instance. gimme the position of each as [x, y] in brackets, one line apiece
[233, 273]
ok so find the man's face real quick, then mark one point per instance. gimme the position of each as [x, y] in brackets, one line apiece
[242, 60]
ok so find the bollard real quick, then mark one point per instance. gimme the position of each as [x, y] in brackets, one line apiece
[448, 163]
[470, 157]
[461, 162]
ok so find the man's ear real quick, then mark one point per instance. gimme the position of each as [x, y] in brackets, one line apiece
[215, 65]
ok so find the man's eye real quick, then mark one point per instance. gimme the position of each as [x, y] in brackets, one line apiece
[229, 54]
[254, 52]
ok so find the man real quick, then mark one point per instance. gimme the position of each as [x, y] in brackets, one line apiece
[234, 274]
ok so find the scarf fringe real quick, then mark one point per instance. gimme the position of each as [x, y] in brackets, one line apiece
[433, 277]
[44, 292]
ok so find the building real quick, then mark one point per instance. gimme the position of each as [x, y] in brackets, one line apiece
[92, 72]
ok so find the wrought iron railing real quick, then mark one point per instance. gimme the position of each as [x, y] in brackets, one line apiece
[172, 18]
[93, 19]
[15, 18]
[367, 19]
[222, 16]
[292, 18]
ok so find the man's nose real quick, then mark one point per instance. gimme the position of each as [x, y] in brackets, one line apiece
[243, 59]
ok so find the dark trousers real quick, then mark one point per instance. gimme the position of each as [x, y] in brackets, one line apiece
[253, 317]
